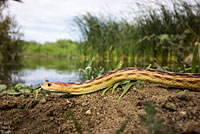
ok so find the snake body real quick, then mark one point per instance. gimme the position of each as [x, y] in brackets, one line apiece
[180, 80]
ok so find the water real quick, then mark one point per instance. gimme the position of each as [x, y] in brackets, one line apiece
[30, 71]
[39, 75]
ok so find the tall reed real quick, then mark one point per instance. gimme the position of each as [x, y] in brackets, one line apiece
[159, 33]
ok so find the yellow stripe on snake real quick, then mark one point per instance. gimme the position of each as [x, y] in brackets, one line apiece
[180, 80]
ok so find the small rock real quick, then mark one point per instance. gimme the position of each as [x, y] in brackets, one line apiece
[69, 103]
[183, 112]
[64, 126]
[51, 119]
[85, 103]
[43, 100]
[141, 112]
[88, 112]
[170, 106]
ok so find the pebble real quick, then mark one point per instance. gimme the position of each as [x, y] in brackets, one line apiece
[170, 106]
[69, 103]
[88, 112]
[64, 126]
[43, 100]
[141, 112]
[183, 112]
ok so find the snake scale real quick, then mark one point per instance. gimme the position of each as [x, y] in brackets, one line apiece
[179, 80]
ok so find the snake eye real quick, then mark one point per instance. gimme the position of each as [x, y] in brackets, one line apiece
[49, 84]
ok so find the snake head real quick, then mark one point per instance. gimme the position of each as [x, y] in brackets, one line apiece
[55, 86]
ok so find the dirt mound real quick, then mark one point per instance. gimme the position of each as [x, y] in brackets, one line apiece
[55, 113]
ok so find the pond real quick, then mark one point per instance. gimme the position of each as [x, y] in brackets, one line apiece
[30, 71]
[40, 74]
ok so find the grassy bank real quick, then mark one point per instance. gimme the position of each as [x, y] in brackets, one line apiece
[60, 48]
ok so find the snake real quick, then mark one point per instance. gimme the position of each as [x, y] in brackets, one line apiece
[189, 81]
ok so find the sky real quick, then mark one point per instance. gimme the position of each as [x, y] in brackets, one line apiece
[50, 20]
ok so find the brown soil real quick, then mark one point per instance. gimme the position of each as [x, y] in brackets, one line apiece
[96, 114]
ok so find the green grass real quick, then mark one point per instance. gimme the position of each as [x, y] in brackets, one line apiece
[195, 67]
[90, 72]
[195, 60]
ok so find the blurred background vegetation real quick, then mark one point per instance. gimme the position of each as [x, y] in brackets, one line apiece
[160, 33]
[10, 42]
[60, 48]
[152, 33]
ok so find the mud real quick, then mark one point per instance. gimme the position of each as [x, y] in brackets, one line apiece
[53, 113]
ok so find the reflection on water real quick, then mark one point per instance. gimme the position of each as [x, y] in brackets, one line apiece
[39, 75]
[34, 71]
[30, 71]
[7, 70]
